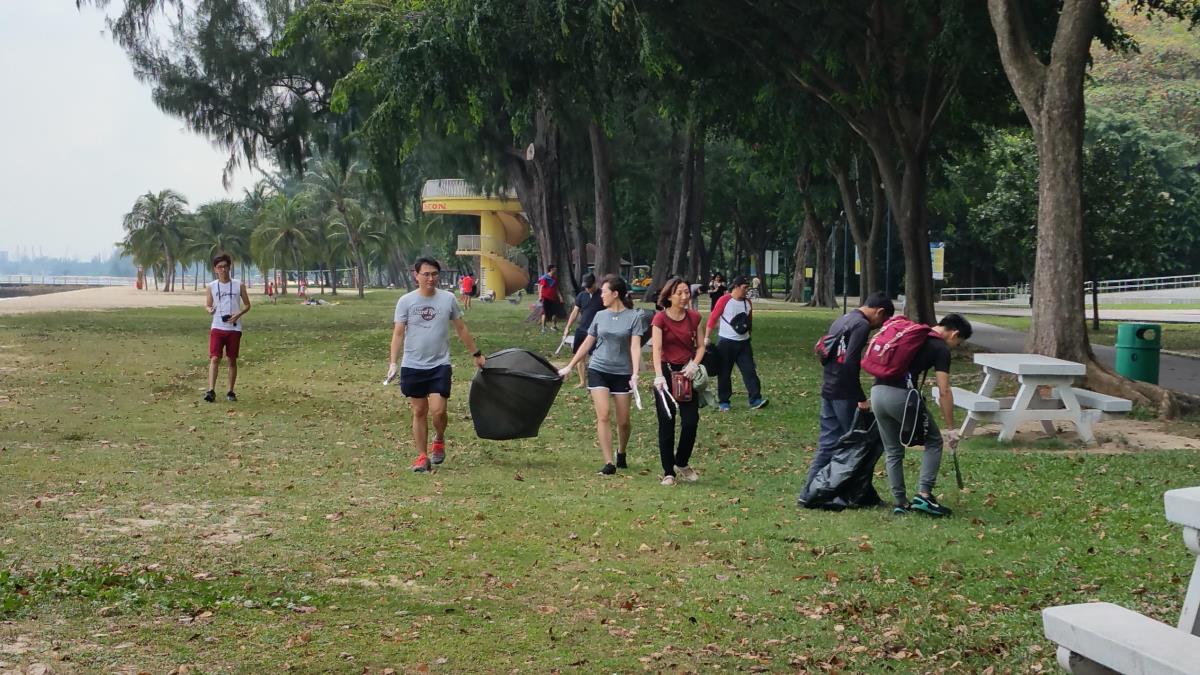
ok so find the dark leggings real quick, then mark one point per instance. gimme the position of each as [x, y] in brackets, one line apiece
[689, 416]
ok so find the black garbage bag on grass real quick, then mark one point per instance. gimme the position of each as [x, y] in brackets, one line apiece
[846, 481]
[511, 395]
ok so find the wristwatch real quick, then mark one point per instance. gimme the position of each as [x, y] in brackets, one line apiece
[478, 352]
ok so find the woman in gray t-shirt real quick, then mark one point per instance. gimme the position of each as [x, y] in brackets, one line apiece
[617, 334]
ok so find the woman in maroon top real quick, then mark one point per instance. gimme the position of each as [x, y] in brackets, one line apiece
[677, 347]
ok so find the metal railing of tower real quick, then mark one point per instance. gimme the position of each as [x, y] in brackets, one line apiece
[447, 188]
[474, 244]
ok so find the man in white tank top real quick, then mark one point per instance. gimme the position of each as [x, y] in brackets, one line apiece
[227, 301]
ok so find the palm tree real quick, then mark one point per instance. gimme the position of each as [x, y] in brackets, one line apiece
[154, 225]
[339, 187]
[284, 233]
[328, 246]
[215, 228]
[254, 208]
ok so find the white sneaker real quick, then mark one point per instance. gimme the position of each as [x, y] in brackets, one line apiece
[668, 480]
[687, 473]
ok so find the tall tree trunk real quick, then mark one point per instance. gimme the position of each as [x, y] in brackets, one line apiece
[865, 227]
[1051, 95]
[799, 261]
[576, 235]
[823, 281]
[538, 186]
[696, 262]
[353, 238]
[818, 235]
[683, 231]
[666, 233]
[608, 258]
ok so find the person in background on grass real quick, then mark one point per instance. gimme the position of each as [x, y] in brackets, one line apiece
[587, 304]
[735, 314]
[841, 389]
[716, 288]
[271, 292]
[887, 400]
[548, 293]
[227, 301]
[677, 347]
[421, 329]
[468, 289]
[617, 335]
[303, 289]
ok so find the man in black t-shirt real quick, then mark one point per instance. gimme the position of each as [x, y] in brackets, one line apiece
[587, 304]
[841, 389]
[887, 400]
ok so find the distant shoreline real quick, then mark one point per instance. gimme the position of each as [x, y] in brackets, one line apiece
[34, 289]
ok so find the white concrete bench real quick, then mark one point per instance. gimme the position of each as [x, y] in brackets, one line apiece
[1102, 402]
[1119, 639]
[1105, 638]
[969, 400]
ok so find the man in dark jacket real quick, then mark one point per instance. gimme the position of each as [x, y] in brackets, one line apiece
[841, 390]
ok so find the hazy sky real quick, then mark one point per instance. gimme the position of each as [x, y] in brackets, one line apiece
[80, 137]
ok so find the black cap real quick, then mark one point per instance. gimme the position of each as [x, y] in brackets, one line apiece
[740, 280]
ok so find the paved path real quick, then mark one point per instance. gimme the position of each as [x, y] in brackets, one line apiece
[1175, 372]
[1144, 315]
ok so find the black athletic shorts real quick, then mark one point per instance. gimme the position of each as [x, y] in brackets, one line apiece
[553, 309]
[615, 384]
[580, 336]
[421, 382]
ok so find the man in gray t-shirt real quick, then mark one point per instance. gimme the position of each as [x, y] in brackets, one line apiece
[421, 328]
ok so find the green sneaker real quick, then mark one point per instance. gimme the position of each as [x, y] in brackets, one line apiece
[901, 509]
[929, 505]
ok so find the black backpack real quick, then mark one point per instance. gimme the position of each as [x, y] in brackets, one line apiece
[741, 322]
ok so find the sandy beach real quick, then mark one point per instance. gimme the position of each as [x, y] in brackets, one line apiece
[103, 298]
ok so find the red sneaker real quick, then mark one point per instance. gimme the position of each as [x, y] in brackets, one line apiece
[421, 465]
[437, 452]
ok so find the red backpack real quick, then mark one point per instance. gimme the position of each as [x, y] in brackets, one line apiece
[889, 354]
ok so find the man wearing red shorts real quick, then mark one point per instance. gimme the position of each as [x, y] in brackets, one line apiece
[227, 301]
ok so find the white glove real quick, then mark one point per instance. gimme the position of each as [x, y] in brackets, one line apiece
[691, 369]
[393, 371]
[633, 381]
[660, 383]
[564, 371]
[952, 438]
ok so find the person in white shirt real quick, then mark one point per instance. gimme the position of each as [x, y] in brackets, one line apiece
[227, 301]
[733, 317]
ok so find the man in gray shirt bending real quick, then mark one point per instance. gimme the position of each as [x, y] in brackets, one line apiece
[422, 330]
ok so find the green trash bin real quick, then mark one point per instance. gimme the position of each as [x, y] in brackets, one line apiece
[1138, 345]
[808, 290]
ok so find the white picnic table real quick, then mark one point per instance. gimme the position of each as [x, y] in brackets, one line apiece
[1036, 374]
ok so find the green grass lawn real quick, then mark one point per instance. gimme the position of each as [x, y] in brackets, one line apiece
[141, 527]
[1177, 337]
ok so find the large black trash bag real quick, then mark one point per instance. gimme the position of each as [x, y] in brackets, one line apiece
[846, 481]
[511, 395]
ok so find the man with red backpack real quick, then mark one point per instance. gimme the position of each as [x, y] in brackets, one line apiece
[898, 356]
[840, 352]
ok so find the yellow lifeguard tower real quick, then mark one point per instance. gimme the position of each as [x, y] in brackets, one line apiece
[502, 225]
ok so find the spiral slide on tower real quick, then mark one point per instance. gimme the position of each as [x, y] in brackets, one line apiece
[502, 225]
